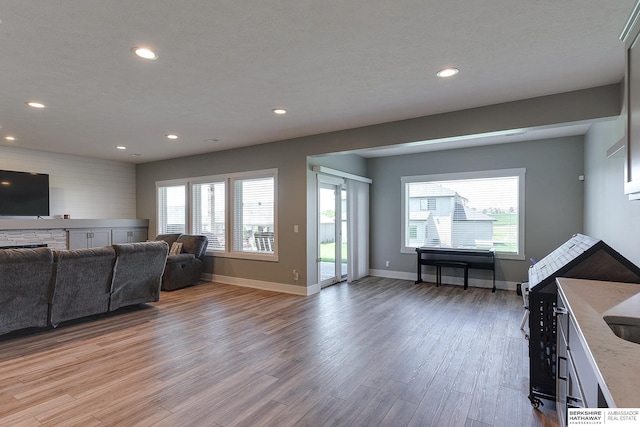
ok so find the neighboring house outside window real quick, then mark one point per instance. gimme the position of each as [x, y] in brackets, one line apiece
[453, 225]
[478, 210]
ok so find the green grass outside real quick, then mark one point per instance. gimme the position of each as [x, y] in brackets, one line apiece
[504, 219]
[328, 252]
[504, 236]
[505, 232]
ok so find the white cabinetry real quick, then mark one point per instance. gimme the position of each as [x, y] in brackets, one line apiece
[73, 233]
[128, 235]
[630, 36]
[577, 384]
[94, 238]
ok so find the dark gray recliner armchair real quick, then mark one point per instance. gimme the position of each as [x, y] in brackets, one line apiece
[184, 269]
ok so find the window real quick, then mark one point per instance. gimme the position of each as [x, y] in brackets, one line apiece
[475, 210]
[254, 214]
[172, 209]
[237, 212]
[209, 212]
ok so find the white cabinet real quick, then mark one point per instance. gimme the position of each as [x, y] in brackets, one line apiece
[631, 36]
[128, 235]
[74, 233]
[97, 237]
[94, 238]
[576, 381]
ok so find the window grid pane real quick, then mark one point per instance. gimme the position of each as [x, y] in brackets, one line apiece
[171, 209]
[254, 213]
[237, 212]
[478, 213]
[209, 212]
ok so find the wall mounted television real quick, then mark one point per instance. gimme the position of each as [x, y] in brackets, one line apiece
[24, 194]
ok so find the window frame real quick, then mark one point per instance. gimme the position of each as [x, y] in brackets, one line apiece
[191, 202]
[231, 236]
[496, 173]
[229, 180]
[166, 184]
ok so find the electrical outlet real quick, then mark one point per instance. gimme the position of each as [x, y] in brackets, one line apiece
[295, 275]
[386, 264]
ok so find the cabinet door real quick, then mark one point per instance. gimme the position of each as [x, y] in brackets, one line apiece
[120, 235]
[100, 237]
[562, 362]
[587, 381]
[128, 235]
[138, 235]
[79, 239]
[632, 104]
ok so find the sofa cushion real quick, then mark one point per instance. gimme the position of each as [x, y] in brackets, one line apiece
[194, 244]
[138, 273]
[169, 238]
[82, 283]
[25, 280]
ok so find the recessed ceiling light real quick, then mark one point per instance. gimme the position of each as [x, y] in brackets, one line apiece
[280, 111]
[172, 136]
[135, 155]
[10, 138]
[35, 104]
[144, 52]
[121, 147]
[447, 72]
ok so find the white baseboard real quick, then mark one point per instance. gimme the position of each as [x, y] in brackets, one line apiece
[449, 280]
[315, 288]
[388, 274]
[263, 285]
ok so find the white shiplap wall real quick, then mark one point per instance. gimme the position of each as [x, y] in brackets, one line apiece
[82, 187]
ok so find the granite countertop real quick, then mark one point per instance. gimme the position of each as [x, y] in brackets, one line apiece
[617, 361]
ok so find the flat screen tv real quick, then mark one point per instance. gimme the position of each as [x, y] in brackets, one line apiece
[24, 194]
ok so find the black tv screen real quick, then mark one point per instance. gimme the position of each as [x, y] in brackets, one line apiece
[24, 194]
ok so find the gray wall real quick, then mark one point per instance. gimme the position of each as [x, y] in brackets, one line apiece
[609, 214]
[291, 165]
[297, 194]
[553, 197]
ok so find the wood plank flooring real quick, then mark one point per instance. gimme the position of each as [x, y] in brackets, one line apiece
[377, 352]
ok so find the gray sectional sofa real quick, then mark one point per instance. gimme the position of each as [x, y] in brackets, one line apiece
[42, 287]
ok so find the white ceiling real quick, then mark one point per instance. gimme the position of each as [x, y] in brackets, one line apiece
[225, 64]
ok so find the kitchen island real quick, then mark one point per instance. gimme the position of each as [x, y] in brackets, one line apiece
[601, 369]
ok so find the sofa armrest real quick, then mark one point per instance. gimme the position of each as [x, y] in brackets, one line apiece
[180, 258]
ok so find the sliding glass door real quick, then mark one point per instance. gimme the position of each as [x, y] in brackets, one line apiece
[332, 232]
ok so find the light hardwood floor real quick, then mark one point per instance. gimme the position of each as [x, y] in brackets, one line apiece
[373, 352]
